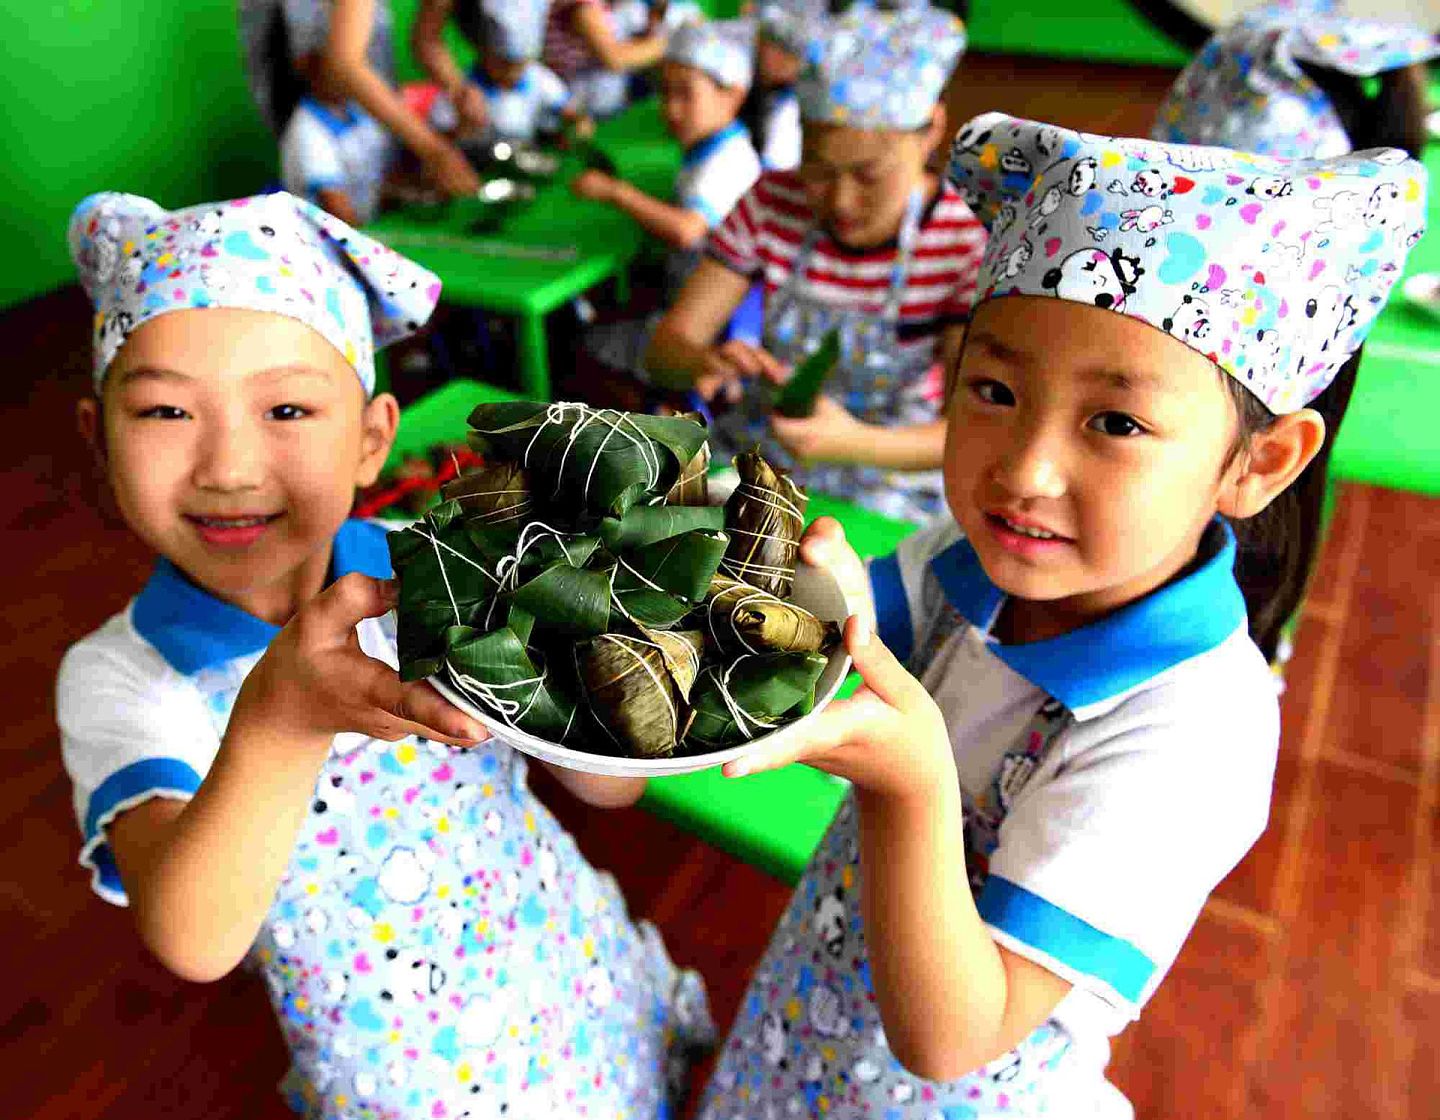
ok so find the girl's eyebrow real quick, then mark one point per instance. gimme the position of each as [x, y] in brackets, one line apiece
[1127, 379]
[153, 373]
[997, 348]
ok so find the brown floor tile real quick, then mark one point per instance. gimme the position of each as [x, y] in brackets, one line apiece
[1335, 1004]
[1351, 511]
[1422, 1022]
[1168, 1064]
[1385, 653]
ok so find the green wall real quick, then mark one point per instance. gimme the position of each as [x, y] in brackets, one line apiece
[144, 96]
[148, 96]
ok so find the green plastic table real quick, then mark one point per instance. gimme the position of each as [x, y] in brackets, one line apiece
[772, 820]
[1389, 436]
[546, 253]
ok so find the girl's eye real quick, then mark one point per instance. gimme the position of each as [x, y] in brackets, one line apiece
[992, 392]
[288, 412]
[163, 412]
[1116, 424]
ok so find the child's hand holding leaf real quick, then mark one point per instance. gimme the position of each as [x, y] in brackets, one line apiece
[315, 681]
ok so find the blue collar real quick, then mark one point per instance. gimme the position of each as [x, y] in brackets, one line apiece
[337, 124]
[781, 95]
[490, 89]
[193, 630]
[703, 149]
[1107, 658]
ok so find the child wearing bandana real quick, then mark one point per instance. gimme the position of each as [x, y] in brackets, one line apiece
[250, 775]
[1068, 730]
[861, 241]
[1287, 79]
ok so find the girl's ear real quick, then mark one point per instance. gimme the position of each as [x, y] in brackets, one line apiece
[379, 422]
[1275, 458]
[91, 423]
[934, 133]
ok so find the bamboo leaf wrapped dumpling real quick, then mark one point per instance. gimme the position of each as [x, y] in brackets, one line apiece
[442, 584]
[751, 696]
[740, 619]
[601, 460]
[644, 525]
[637, 686]
[660, 584]
[494, 494]
[692, 488]
[499, 675]
[765, 518]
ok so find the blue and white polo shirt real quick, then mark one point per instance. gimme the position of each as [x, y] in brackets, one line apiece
[327, 149]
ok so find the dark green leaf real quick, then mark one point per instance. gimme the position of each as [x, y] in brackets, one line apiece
[563, 600]
[496, 671]
[644, 525]
[599, 462]
[769, 689]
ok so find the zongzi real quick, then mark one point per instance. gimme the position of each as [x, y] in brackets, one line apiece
[631, 686]
[497, 494]
[743, 619]
[765, 517]
[751, 696]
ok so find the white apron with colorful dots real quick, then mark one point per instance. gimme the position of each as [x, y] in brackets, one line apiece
[438, 947]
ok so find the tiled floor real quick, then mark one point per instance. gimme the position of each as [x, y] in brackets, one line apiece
[1310, 987]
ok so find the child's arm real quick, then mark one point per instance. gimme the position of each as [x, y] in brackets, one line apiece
[599, 790]
[351, 24]
[678, 226]
[590, 22]
[682, 353]
[427, 43]
[951, 998]
[201, 875]
[335, 201]
[832, 434]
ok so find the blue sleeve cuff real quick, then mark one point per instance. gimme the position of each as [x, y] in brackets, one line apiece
[712, 216]
[892, 608]
[1074, 944]
[126, 788]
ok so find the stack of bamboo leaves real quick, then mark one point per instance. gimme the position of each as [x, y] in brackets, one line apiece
[581, 587]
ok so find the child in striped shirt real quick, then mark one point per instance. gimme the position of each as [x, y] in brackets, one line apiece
[860, 240]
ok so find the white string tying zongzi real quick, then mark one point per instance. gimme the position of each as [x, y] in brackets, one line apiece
[503, 514]
[737, 713]
[740, 569]
[619, 424]
[741, 601]
[438, 544]
[624, 643]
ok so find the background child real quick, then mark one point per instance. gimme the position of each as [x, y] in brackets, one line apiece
[1093, 733]
[702, 85]
[772, 111]
[332, 151]
[594, 56]
[861, 239]
[519, 96]
[433, 942]
[1287, 80]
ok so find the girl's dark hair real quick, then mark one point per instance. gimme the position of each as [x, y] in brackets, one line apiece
[1394, 117]
[286, 86]
[1277, 548]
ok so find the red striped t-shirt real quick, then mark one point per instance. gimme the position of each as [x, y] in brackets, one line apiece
[565, 51]
[762, 237]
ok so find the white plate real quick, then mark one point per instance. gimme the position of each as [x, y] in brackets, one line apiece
[815, 589]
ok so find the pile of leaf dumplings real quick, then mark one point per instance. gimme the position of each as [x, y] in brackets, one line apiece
[580, 586]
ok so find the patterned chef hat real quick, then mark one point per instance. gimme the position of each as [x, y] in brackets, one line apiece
[722, 49]
[880, 70]
[792, 23]
[1246, 90]
[514, 29]
[271, 252]
[1273, 269]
